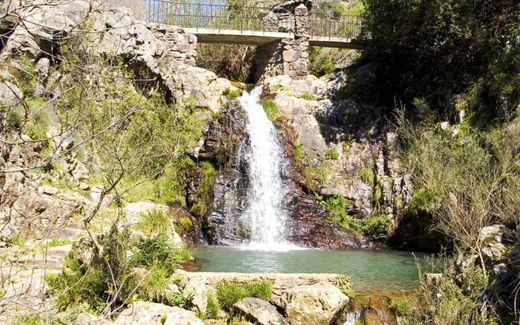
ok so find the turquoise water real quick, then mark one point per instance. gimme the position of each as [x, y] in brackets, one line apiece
[369, 270]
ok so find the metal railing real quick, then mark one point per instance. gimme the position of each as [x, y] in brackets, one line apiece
[346, 27]
[242, 18]
[204, 15]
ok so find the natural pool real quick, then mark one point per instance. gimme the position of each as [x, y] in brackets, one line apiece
[382, 271]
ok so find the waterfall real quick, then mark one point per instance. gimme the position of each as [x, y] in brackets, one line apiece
[264, 215]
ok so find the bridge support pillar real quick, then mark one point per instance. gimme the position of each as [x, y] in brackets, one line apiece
[290, 56]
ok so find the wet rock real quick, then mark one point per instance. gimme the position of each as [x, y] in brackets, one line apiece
[153, 313]
[259, 312]
[312, 304]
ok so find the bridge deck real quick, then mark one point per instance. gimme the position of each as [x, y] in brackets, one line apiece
[229, 36]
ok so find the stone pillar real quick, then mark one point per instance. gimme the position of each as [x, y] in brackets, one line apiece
[291, 56]
[296, 51]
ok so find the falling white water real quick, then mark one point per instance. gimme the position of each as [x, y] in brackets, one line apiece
[265, 214]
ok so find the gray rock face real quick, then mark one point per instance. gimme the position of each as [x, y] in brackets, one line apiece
[491, 240]
[319, 303]
[259, 312]
[153, 313]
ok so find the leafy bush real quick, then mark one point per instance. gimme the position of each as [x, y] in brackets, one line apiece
[154, 284]
[271, 109]
[173, 298]
[212, 307]
[376, 226]
[107, 279]
[205, 188]
[157, 252]
[298, 152]
[332, 153]
[452, 302]
[423, 201]
[232, 94]
[230, 292]
[154, 222]
[401, 306]
[326, 66]
[367, 175]
[308, 97]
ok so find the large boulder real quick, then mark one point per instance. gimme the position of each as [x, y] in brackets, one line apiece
[259, 312]
[152, 313]
[320, 303]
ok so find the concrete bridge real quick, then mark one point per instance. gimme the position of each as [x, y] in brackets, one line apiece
[282, 33]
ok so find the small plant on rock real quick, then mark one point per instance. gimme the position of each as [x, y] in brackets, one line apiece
[230, 292]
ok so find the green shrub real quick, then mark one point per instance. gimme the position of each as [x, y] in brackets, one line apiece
[332, 153]
[56, 242]
[298, 152]
[230, 292]
[271, 109]
[423, 201]
[89, 284]
[367, 175]
[154, 284]
[173, 298]
[156, 252]
[401, 306]
[154, 222]
[326, 66]
[14, 117]
[376, 226]
[232, 94]
[308, 97]
[212, 307]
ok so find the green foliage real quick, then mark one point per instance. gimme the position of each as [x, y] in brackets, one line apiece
[212, 307]
[401, 306]
[154, 222]
[205, 188]
[30, 320]
[154, 284]
[230, 292]
[56, 242]
[326, 66]
[367, 175]
[345, 285]
[156, 252]
[453, 302]
[356, 9]
[376, 226]
[423, 201]
[14, 117]
[298, 152]
[115, 276]
[332, 153]
[422, 50]
[232, 94]
[79, 283]
[308, 97]
[173, 298]
[271, 109]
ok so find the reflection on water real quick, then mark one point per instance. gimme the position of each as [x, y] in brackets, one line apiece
[369, 270]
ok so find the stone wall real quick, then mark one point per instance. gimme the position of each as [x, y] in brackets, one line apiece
[291, 56]
[182, 47]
